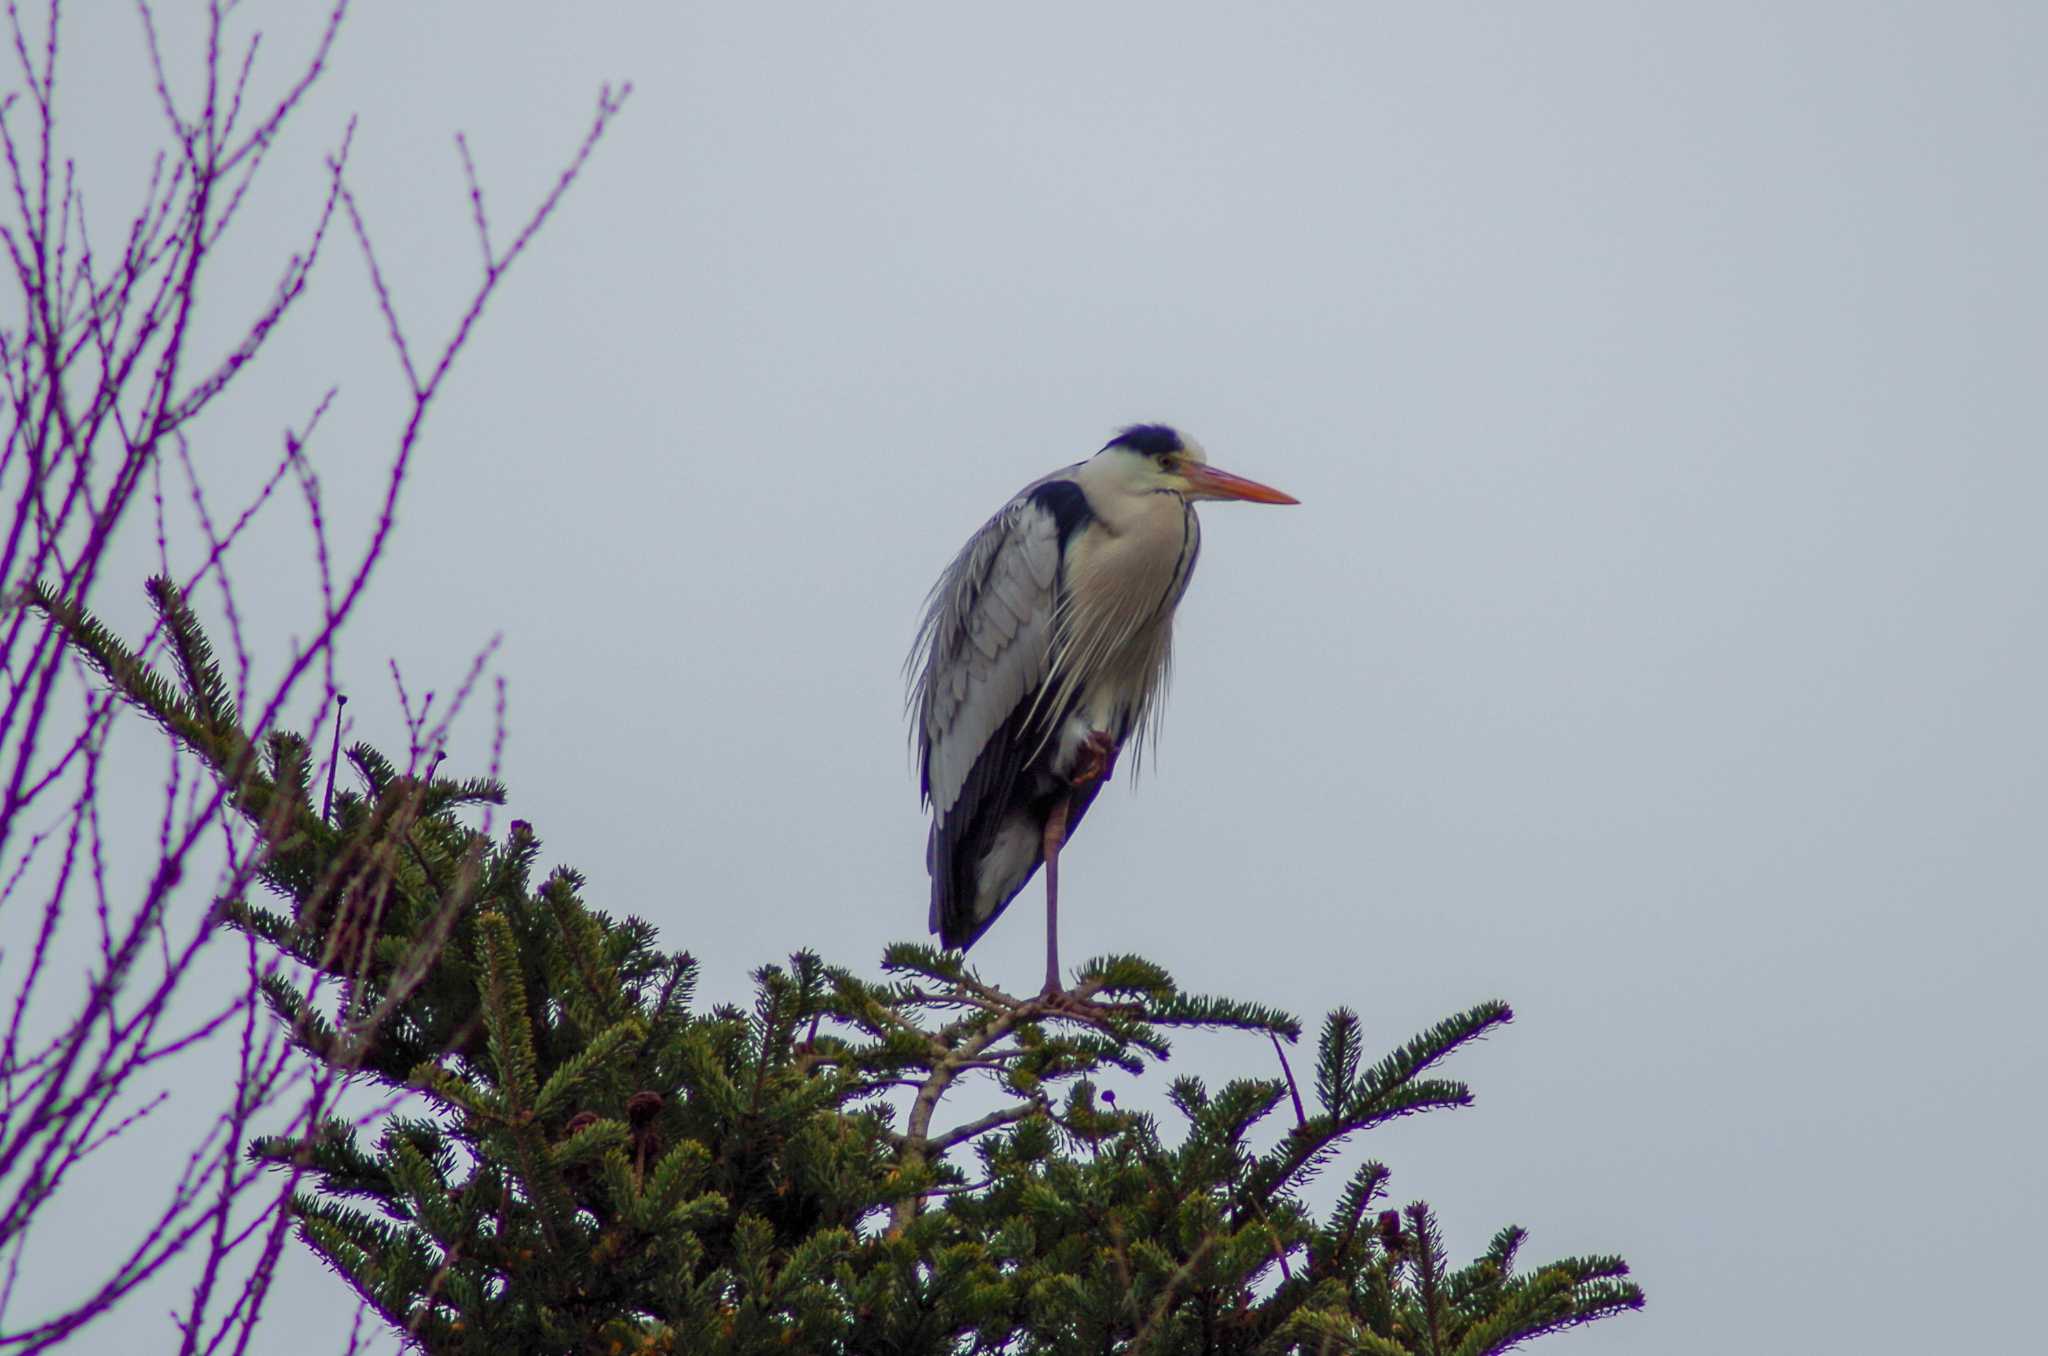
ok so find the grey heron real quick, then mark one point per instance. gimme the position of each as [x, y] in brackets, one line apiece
[1045, 649]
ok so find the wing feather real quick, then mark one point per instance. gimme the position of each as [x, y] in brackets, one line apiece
[985, 652]
[984, 643]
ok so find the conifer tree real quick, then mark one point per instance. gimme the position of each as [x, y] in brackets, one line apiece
[586, 1160]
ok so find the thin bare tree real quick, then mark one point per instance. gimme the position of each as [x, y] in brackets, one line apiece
[112, 947]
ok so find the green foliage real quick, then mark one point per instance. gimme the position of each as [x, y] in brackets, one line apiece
[586, 1162]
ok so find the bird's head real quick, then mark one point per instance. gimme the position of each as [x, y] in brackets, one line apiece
[1152, 458]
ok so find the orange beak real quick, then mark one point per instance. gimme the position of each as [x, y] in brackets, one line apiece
[1206, 482]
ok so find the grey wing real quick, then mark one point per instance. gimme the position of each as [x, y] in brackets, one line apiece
[985, 646]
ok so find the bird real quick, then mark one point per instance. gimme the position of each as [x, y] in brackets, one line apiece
[1044, 652]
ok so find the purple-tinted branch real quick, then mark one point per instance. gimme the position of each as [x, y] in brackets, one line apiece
[96, 379]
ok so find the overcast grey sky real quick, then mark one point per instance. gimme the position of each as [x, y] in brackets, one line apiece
[1659, 644]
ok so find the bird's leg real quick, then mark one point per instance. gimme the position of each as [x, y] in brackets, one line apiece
[1097, 760]
[1055, 837]
[1097, 757]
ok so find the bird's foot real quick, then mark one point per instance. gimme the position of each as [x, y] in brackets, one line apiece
[1097, 759]
[1058, 1002]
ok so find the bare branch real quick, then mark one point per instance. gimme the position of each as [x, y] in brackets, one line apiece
[107, 394]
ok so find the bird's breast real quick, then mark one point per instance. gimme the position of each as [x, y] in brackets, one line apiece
[1124, 577]
[1131, 560]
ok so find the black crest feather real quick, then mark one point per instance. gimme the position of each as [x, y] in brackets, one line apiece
[1147, 440]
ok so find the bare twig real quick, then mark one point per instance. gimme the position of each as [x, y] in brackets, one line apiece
[1293, 1091]
[103, 385]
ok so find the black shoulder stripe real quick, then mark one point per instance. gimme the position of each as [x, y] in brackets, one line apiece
[1067, 504]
